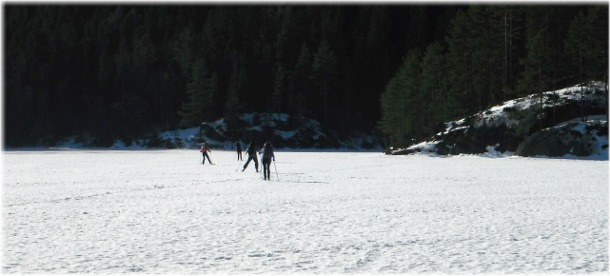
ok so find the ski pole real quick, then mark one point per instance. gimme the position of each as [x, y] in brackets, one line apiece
[276, 174]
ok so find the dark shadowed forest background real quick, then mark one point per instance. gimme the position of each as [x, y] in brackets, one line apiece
[123, 71]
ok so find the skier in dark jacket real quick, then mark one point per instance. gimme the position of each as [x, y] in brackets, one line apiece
[204, 151]
[238, 146]
[251, 151]
[267, 156]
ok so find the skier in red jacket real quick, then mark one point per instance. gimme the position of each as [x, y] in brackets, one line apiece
[204, 151]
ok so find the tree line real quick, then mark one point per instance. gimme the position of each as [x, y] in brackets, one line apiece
[107, 72]
[492, 54]
[104, 72]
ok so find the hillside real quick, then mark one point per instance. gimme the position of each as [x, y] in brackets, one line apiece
[571, 122]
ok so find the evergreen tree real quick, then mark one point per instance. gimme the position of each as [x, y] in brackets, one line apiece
[302, 80]
[438, 105]
[290, 35]
[399, 102]
[279, 88]
[587, 44]
[324, 70]
[392, 114]
[183, 49]
[509, 20]
[543, 65]
[460, 62]
[202, 90]
[487, 57]
[377, 51]
[238, 83]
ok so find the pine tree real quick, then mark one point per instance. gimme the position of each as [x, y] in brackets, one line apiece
[510, 26]
[483, 51]
[302, 80]
[238, 83]
[543, 64]
[460, 62]
[437, 102]
[587, 44]
[202, 90]
[412, 97]
[183, 49]
[399, 103]
[391, 114]
[279, 88]
[289, 36]
[324, 69]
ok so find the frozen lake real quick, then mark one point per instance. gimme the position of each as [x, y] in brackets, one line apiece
[330, 212]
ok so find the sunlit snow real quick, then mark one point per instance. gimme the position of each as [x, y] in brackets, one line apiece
[323, 212]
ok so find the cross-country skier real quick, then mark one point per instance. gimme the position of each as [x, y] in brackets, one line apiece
[204, 151]
[251, 151]
[238, 146]
[267, 156]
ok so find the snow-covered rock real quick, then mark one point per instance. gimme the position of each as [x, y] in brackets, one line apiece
[578, 138]
[279, 128]
[507, 126]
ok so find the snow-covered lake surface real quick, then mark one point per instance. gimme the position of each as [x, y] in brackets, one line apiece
[330, 212]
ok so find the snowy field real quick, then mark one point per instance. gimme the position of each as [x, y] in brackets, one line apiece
[330, 212]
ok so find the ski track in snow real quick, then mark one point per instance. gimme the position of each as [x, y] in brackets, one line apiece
[164, 212]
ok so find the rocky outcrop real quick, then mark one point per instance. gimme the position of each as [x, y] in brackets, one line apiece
[278, 128]
[509, 125]
[573, 138]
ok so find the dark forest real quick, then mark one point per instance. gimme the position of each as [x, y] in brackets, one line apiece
[108, 72]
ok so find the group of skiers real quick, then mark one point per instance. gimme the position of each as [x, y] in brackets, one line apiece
[252, 150]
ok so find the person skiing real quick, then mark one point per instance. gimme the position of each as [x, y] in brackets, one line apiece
[267, 156]
[251, 150]
[238, 146]
[204, 151]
